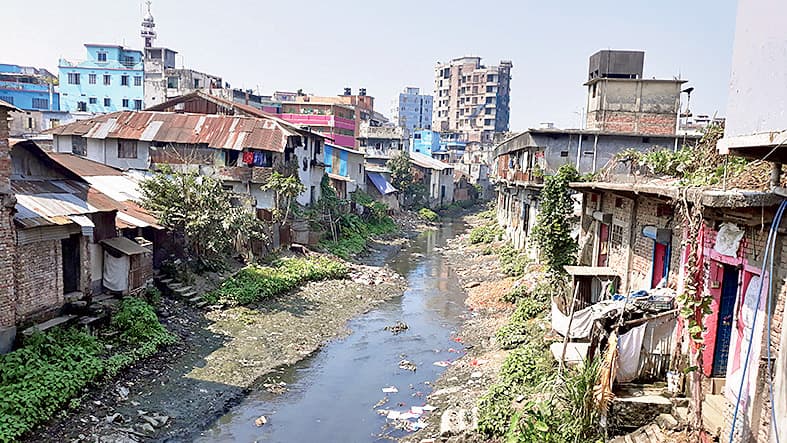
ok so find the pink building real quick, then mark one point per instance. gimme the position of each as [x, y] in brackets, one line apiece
[332, 120]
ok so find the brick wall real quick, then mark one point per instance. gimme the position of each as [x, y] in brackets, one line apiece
[7, 233]
[39, 280]
[633, 122]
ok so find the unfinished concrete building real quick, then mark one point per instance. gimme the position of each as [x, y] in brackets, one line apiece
[620, 100]
[472, 98]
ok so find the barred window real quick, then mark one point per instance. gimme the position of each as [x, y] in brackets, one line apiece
[617, 236]
[127, 149]
[78, 145]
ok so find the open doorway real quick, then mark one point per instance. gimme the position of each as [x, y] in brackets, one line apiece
[729, 292]
[71, 260]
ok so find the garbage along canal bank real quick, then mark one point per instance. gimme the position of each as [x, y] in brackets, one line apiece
[221, 356]
[371, 385]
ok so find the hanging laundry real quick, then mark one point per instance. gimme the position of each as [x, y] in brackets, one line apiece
[248, 157]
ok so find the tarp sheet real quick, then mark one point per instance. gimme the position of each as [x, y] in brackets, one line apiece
[116, 272]
[582, 324]
[728, 239]
[381, 183]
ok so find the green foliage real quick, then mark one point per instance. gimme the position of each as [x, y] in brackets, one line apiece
[489, 214]
[521, 327]
[199, 209]
[428, 215]
[486, 234]
[403, 179]
[513, 262]
[51, 369]
[552, 231]
[152, 295]
[286, 189]
[254, 283]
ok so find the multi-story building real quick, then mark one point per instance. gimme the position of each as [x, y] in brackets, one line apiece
[620, 100]
[163, 80]
[425, 142]
[33, 91]
[361, 104]
[28, 88]
[109, 80]
[333, 120]
[382, 141]
[472, 98]
[413, 110]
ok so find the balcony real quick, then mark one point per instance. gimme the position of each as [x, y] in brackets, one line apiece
[256, 174]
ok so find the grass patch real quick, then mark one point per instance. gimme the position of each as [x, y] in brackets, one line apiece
[254, 283]
[51, 369]
[355, 233]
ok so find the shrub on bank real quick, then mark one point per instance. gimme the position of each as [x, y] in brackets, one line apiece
[428, 215]
[254, 283]
[513, 262]
[485, 234]
[53, 367]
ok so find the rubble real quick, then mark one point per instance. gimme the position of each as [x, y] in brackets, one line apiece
[397, 328]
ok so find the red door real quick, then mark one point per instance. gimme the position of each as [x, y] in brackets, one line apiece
[603, 244]
[659, 263]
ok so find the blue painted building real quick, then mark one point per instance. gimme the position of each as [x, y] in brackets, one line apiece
[110, 79]
[28, 88]
[413, 110]
[425, 142]
[345, 169]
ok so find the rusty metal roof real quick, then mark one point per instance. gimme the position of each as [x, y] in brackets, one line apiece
[216, 131]
[82, 166]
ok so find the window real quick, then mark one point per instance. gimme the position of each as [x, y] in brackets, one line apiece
[127, 149]
[488, 111]
[360, 166]
[41, 103]
[107, 102]
[196, 83]
[124, 80]
[172, 82]
[73, 78]
[488, 121]
[91, 78]
[125, 103]
[137, 104]
[102, 56]
[81, 106]
[137, 80]
[78, 144]
[7, 98]
[107, 79]
[92, 100]
[616, 238]
[54, 122]
[645, 139]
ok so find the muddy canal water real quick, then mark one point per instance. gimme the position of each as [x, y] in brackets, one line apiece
[331, 396]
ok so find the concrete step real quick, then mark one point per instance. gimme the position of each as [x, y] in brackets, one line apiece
[202, 304]
[195, 298]
[183, 290]
[102, 297]
[166, 281]
[174, 286]
[63, 320]
[713, 410]
[72, 297]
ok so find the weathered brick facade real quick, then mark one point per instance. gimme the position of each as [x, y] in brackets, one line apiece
[7, 233]
[633, 255]
[39, 280]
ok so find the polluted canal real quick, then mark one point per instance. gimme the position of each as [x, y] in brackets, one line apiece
[336, 395]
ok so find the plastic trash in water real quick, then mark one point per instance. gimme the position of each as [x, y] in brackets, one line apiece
[390, 390]
[442, 363]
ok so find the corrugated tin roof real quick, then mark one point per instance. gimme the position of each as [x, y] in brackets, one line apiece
[124, 246]
[216, 131]
[425, 161]
[381, 183]
[49, 209]
[82, 166]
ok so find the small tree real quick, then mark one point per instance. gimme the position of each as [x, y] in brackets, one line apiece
[199, 209]
[403, 179]
[401, 171]
[285, 189]
[552, 231]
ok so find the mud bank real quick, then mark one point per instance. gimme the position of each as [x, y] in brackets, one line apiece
[222, 354]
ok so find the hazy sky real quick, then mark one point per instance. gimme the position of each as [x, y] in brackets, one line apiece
[323, 46]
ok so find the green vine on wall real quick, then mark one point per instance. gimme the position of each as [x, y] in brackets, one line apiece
[552, 231]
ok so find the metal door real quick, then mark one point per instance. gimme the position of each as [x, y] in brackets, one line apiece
[729, 292]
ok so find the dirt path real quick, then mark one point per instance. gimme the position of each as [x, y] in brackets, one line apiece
[221, 356]
[457, 391]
